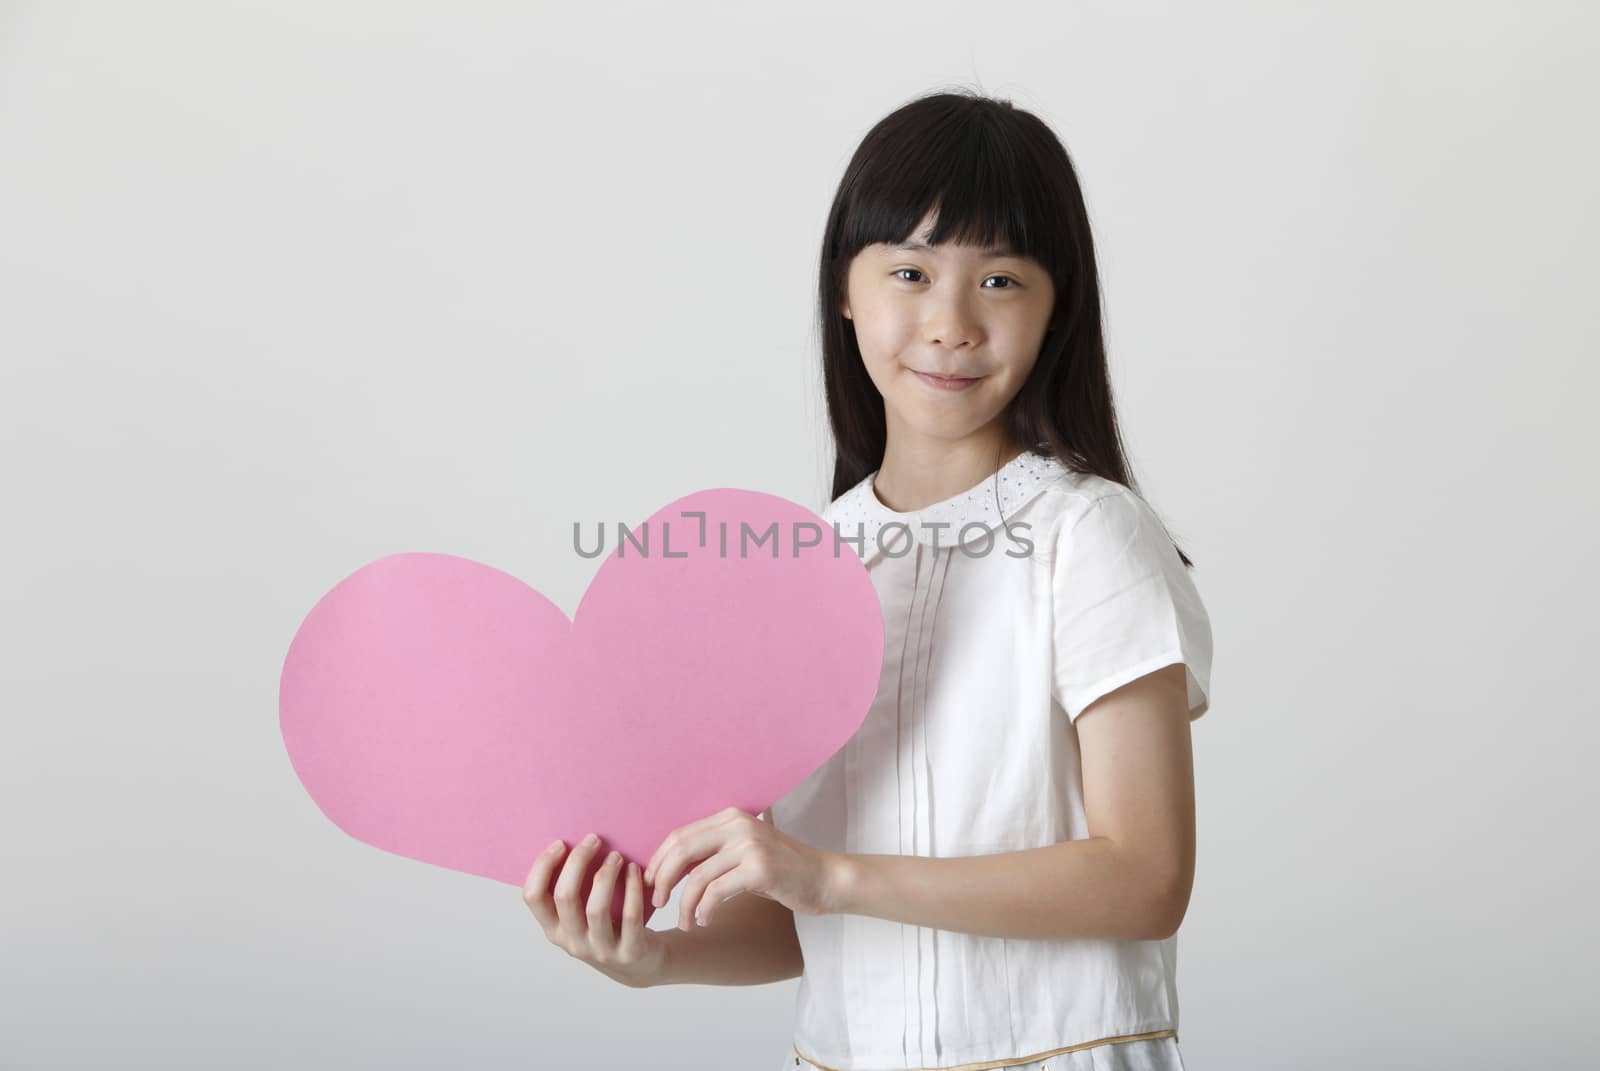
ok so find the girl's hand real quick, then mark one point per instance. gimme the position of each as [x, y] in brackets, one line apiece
[738, 853]
[636, 957]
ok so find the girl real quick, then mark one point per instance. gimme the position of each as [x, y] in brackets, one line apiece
[992, 871]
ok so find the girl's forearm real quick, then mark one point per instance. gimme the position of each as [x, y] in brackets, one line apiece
[751, 941]
[1076, 888]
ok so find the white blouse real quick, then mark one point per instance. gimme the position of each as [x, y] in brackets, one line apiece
[1008, 609]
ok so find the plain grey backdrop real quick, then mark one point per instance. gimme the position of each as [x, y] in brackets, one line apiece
[285, 288]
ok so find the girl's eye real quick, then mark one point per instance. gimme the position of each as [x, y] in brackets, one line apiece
[1011, 283]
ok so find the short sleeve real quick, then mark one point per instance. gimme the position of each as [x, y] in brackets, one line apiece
[1123, 605]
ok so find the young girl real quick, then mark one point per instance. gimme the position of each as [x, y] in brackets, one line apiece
[991, 872]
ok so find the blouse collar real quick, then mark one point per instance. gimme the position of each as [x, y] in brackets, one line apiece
[962, 518]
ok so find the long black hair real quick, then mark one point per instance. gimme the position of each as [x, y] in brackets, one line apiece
[991, 173]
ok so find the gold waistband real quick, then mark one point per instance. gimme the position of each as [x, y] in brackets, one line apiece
[1010, 1061]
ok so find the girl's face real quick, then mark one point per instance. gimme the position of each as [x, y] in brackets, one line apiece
[953, 311]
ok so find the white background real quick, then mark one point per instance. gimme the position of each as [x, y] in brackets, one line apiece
[287, 288]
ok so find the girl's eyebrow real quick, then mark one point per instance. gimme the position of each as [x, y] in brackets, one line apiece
[923, 247]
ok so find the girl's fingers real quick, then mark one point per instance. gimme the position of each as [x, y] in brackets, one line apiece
[568, 910]
[601, 934]
[685, 837]
[654, 871]
[687, 849]
[632, 912]
[694, 886]
[536, 890]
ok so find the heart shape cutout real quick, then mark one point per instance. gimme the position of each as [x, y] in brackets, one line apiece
[442, 710]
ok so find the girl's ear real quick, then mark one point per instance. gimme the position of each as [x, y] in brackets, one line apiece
[844, 308]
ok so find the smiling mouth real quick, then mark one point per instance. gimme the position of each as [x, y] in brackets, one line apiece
[947, 382]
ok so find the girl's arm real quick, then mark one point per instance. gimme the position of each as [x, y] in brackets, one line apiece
[1129, 879]
[750, 941]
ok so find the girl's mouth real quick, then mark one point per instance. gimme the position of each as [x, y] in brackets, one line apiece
[947, 382]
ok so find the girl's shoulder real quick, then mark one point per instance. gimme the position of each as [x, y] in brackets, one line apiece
[1070, 496]
[1081, 489]
[1082, 514]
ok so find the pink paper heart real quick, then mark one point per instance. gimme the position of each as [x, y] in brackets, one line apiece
[442, 710]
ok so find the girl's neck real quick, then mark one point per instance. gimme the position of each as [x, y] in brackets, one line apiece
[914, 476]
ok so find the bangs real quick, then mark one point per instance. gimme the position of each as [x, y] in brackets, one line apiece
[979, 180]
